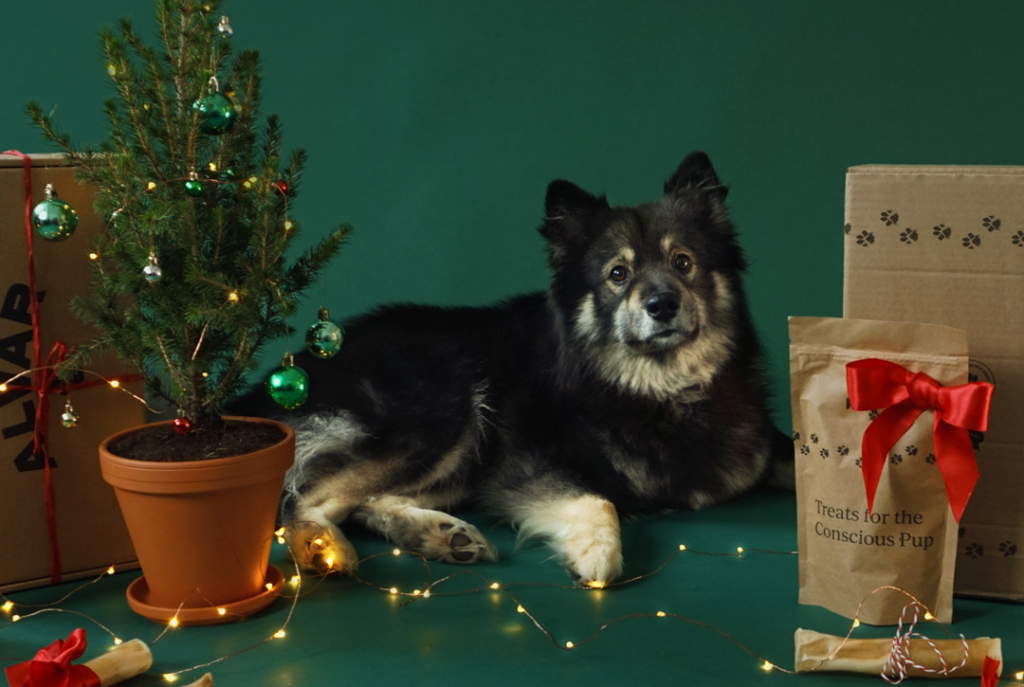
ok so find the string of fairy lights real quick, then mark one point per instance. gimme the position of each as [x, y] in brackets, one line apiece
[436, 588]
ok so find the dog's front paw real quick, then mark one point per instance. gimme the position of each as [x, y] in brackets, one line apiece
[595, 560]
[321, 550]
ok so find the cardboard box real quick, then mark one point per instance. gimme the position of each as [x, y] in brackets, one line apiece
[945, 245]
[91, 534]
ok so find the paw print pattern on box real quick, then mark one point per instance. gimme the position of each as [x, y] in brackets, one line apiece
[941, 232]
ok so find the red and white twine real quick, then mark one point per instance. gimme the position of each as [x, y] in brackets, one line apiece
[896, 667]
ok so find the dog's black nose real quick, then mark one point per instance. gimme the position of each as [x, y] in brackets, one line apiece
[662, 306]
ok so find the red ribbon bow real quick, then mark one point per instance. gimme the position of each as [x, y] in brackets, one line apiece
[52, 666]
[874, 384]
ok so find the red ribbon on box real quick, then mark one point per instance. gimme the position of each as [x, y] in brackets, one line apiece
[40, 382]
[52, 667]
[873, 384]
[44, 378]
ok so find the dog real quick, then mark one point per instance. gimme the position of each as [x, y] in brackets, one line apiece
[633, 385]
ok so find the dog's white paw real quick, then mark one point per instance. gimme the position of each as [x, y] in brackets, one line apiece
[594, 558]
[583, 529]
[321, 550]
[452, 540]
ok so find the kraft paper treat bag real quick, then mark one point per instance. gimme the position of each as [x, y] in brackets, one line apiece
[909, 538]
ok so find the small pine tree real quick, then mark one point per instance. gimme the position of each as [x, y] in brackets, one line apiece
[209, 210]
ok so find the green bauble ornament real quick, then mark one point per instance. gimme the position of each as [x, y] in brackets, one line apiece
[288, 385]
[324, 338]
[194, 187]
[217, 114]
[53, 219]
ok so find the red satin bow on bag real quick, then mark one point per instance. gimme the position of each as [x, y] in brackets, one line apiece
[873, 384]
[52, 666]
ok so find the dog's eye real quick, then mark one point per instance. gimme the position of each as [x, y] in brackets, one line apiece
[618, 274]
[683, 263]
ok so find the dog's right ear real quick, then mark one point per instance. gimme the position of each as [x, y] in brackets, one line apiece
[697, 175]
[567, 208]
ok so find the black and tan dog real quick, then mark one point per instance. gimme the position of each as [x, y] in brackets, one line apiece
[633, 385]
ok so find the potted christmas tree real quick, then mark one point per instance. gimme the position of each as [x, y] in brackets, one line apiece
[190, 280]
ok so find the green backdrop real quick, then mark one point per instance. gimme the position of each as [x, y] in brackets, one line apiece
[434, 127]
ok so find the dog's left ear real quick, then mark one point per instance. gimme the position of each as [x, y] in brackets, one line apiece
[696, 174]
[566, 211]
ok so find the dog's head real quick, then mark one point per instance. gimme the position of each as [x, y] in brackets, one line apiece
[649, 294]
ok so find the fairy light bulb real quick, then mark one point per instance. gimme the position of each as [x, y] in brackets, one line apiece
[520, 609]
[928, 616]
[94, 256]
[150, 186]
[393, 590]
[856, 622]
[279, 634]
[8, 606]
[329, 562]
[660, 614]
[170, 677]
[682, 547]
[495, 585]
[739, 550]
[233, 297]
[416, 592]
[767, 666]
[1019, 676]
[173, 622]
[318, 541]
[270, 585]
[597, 584]
[396, 552]
[295, 580]
[15, 618]
[114, 383]
[118, 641]
[3, 388]
[426, 594]
[222, 611]
[569, 645]
[110, 570]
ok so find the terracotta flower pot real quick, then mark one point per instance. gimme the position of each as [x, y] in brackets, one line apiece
[202, 530]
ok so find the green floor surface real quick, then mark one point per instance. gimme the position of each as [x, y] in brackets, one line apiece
[348, 631]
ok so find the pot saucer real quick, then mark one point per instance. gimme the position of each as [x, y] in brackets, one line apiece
[138, 595]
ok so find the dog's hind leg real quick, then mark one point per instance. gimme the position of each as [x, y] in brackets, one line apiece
[322, 488]
[316, 543]
[582, 528]
[431, 533]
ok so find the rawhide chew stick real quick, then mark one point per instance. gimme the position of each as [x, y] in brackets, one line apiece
[121, 663]
[820, 652]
